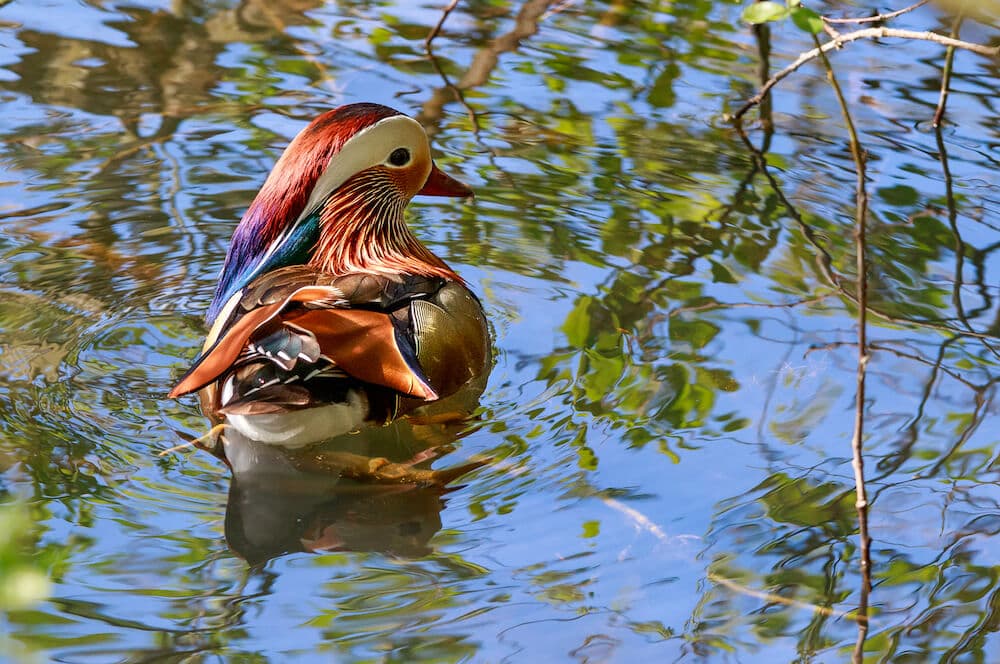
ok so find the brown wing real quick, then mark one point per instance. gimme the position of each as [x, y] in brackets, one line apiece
[363, 342]
[214, 362]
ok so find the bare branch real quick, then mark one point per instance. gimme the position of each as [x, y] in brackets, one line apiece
[949, 58]
[878, 18]
[914, 357]
[861, 294]
[866, 33]
[949, 189]
[824, 260]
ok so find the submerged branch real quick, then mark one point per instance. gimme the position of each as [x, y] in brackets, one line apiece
[643, 522]
[865, 33]
[778, 599]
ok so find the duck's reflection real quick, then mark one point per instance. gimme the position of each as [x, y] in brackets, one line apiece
[370, 491]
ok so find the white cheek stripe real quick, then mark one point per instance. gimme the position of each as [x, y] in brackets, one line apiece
[370, 147]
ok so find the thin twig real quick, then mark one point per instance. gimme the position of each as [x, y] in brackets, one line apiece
[709, 306]
[866, 33]
[825, 261]
[739, 195]
[828, 347]
[830, 31]
[486, 59]
[861, 294]
[974, 422]
[473, 117]
[878, 18]
[949, 58]
[560, 6]
[778, 599]
[437, 28]
[477, 128]
[479, 71]
[949, 189]
[985, 336]
[643, 522]
[891, 463]
[459, 96]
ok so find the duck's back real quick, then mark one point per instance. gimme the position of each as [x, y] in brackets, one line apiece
[375, 346]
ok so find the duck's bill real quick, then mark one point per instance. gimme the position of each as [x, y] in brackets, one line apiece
[440, 183]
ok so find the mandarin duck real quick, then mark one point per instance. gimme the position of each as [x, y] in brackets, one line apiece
[329, 313]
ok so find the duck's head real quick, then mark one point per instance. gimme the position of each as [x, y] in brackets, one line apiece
[335, 199]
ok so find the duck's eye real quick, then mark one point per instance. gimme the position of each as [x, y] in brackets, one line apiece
[399, 157]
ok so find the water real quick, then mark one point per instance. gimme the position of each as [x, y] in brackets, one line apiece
[670, 413]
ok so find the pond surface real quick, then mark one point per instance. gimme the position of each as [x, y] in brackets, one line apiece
[669, 418]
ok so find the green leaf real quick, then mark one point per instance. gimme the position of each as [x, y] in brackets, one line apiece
[577, 325]
[807, 20]
[380, 36]
[900, 195]
[764, 12]
[721, 274]
[696, 332]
